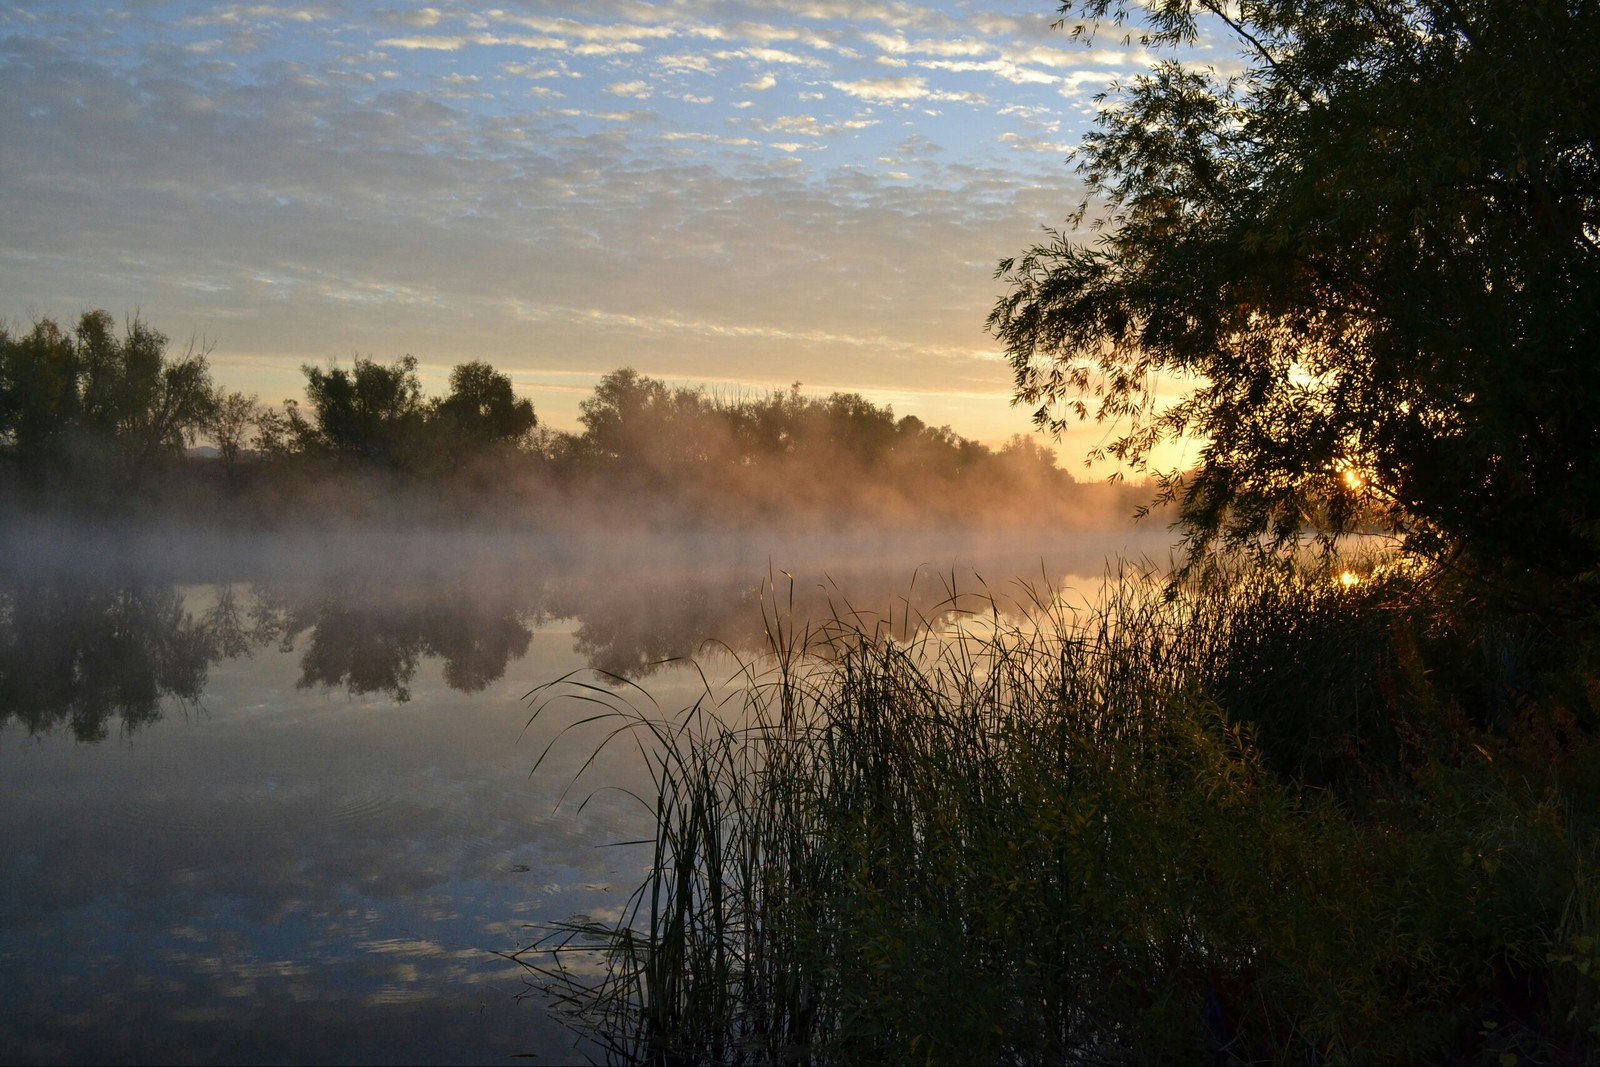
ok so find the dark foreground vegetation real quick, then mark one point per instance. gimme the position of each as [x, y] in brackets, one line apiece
[1277, 818]
[1267, 811]
[98, 421]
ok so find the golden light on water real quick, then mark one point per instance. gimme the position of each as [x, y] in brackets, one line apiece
[1348, 578]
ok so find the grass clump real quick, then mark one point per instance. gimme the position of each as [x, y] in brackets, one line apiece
[1268, 818]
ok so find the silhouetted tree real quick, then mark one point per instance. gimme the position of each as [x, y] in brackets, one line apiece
[640, 423]
[235, 416]
[39, 397]
[1372, 258]
[281, 432]
[856, 427]
[370, 412]
[99, 403]
[481, 410]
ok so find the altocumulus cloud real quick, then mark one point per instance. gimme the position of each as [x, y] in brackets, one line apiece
[302, 181]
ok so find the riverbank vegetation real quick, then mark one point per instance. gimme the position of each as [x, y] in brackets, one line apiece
[92, 420]
[1275, 818]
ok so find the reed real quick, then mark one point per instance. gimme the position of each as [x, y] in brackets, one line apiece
[1227, 820]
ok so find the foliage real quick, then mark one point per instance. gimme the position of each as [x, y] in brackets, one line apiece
[1371, 260]
[1080, 838]
[96, 405]
[370, 412]
[234, 417]
[481, 410]
[625, 413]
[375, 416]
[785, 451]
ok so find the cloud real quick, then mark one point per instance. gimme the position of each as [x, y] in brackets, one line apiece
[456, 42]
[904, 90]
[1076, 58]
[888, 42]
[1034, 144]
[770, 55]
[248, 196]
[421, 18]
[766, 34]
[961, 46]
[885, 89]
[601, 33]
[537, 72]
[242, 14]
[801, 124]
[1003, 68]
[707, 138]
[809, 126]
[618, 49]
[637, 89]
[605, 116]
[681, 61]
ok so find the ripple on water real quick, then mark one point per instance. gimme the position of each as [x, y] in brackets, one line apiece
[255, 810]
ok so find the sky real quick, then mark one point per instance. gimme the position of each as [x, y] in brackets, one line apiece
[735, 193]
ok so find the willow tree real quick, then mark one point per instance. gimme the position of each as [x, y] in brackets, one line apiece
[1366, 264]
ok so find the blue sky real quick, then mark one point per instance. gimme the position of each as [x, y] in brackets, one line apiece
[742, 194]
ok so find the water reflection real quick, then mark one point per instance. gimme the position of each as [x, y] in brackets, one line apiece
[82, 653]
[367, 635]
[81, 657]
[632, 628]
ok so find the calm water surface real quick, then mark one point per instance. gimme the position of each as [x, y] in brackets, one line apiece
[272, 802]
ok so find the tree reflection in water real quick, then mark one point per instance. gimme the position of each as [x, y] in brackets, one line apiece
[79, 653]
[368, 638]
[631, 627]
[78, 656]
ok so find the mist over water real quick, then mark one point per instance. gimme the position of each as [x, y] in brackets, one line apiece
[271, 793]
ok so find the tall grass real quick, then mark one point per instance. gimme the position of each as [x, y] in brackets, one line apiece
[1239, 821]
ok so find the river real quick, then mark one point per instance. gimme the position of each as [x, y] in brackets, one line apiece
[269, 799]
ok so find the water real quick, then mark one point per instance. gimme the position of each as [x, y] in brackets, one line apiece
[271, 802]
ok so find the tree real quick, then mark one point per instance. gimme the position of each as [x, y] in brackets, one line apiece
[138, 403]
[639, 423]
[856, 427]
[1371, 261]
[281, 433]
[232, 420]
[370, 412]
[97, 402]
[481, 410]
[38, 396]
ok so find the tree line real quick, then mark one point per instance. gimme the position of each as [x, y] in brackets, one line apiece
[93, 408]
[91, 405]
